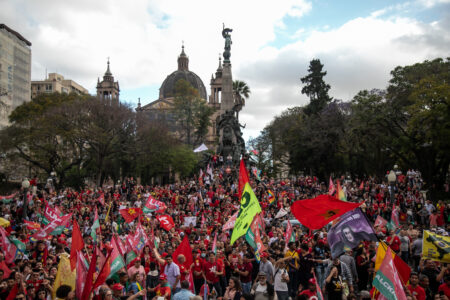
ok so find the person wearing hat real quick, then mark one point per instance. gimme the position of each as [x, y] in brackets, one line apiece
[162, 290]
[117, 290]
[311, 291]
[262, 290]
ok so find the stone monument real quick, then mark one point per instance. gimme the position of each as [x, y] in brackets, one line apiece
[228, 128]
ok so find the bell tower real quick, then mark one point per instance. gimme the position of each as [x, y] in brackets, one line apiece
[108, 89]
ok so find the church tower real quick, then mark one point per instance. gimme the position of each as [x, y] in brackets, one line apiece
[108, 89]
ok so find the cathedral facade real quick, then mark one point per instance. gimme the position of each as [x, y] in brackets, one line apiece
[161, 109]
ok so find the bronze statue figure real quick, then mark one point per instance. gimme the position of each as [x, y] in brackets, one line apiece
[226, 35]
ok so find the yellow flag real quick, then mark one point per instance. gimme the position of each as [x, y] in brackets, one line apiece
[436, 247]
[64, 275]
[247, 211]
[107, 214]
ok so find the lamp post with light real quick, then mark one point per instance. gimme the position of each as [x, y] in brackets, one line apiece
[392, 178]
[25, 186]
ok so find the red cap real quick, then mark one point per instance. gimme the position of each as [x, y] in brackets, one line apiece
[117, 287]
[264, 254]
[312, 281]
[162, 277]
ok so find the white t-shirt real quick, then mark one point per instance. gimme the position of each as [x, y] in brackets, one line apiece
[278, 284]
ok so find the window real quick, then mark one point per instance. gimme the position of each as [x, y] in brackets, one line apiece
[48, 87]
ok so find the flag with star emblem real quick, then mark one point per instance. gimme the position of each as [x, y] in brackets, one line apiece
[317, 212]
[129, 214]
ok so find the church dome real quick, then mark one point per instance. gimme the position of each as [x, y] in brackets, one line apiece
[167, 89]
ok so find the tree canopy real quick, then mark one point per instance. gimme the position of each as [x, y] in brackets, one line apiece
[406, 124]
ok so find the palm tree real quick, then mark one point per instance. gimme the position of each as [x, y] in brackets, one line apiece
[242, 92]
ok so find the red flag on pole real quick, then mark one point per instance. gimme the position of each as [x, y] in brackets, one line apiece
[185, 249]
[105, 269]
[243, 177]
[77, 244]
[318, 212]
[9, 249]
[331, 188]
[90, 276]
[81, 275]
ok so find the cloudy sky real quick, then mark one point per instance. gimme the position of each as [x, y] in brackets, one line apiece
[358, 41]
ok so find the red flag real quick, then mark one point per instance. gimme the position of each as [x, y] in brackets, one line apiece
[214, 244]
[380, 222]
[81, 275]
[77, 244]
[13, 293]
[230, 223]
[361, 187]
[32, 225]
[120, 246]
[101, 199]
[5, 269]
[44, 232]
[318, 212]
[129, 214]
[185, 249]
[105, 269]
[90, 276]
[288, 233]
[403, 269]
[243, 177]
[331, 188]
[9, 249]
[166, 222]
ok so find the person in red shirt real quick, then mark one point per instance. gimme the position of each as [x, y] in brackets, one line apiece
[244, 269]
[197, 271]
[211, 272]
[414, 288]
[184, 272]
[311, 291]
[445, 287]
[393, 241]
[163, 288]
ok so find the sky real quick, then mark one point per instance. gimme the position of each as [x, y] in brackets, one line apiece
[359, 42]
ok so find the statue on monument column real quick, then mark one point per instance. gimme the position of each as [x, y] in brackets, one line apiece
[226, 35]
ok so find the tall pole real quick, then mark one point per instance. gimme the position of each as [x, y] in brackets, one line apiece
[25, 203]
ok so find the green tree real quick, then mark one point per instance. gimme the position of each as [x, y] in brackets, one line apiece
[45, 133]
[242, 92]
[315, 88]
[108, 130]
[191, 112]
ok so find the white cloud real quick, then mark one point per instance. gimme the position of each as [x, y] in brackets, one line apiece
[358, 55]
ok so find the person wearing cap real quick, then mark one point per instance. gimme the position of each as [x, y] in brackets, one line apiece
[197, 271]
[163, 289]
[117, 290]
[266, 266]
[261, 289]
[311, 291]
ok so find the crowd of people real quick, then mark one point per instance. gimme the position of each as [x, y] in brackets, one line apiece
[298, 268]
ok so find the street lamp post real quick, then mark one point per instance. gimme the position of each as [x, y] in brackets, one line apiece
[392, 178]
[25, 186]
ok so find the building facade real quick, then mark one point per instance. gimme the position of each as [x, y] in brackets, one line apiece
[161, 109]
[15, 72]
[55, 83]
[108, 89]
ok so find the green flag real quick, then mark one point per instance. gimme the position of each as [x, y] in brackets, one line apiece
[247, 211]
